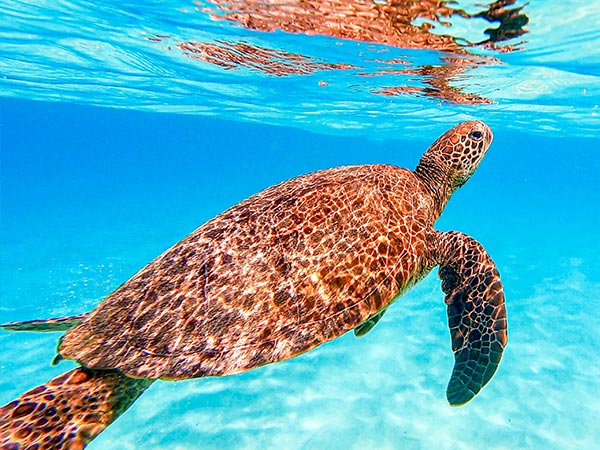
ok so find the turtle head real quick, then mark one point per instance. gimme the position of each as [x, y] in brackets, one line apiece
[454, 157]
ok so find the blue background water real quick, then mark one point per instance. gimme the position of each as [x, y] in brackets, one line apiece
[89, 195]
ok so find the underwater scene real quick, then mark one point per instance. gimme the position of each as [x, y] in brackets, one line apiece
[126, 126]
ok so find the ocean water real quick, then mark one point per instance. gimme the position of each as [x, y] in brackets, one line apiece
[126, 125]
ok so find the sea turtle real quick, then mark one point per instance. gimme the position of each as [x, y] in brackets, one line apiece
[274, 276]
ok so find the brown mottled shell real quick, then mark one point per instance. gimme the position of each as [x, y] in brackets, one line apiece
[294, 266]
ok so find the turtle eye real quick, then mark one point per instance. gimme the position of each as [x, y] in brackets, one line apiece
[477, 135]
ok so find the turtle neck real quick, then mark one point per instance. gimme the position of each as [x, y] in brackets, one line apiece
[436, 182]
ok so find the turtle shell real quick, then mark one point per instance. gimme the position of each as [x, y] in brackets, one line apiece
[290, 268]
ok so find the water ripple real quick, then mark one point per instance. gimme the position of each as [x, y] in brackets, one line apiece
[345, 66]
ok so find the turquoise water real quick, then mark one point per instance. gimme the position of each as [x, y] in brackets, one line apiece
[115, 144]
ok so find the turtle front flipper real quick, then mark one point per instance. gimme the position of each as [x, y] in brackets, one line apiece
[368, 324]
[476, 313]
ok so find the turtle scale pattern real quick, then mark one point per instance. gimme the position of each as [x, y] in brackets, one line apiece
[68, 411]
[292, 267]
[276, 275]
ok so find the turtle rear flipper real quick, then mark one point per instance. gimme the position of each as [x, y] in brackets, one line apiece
[68, 411]
[476, 314]
[46, 325]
